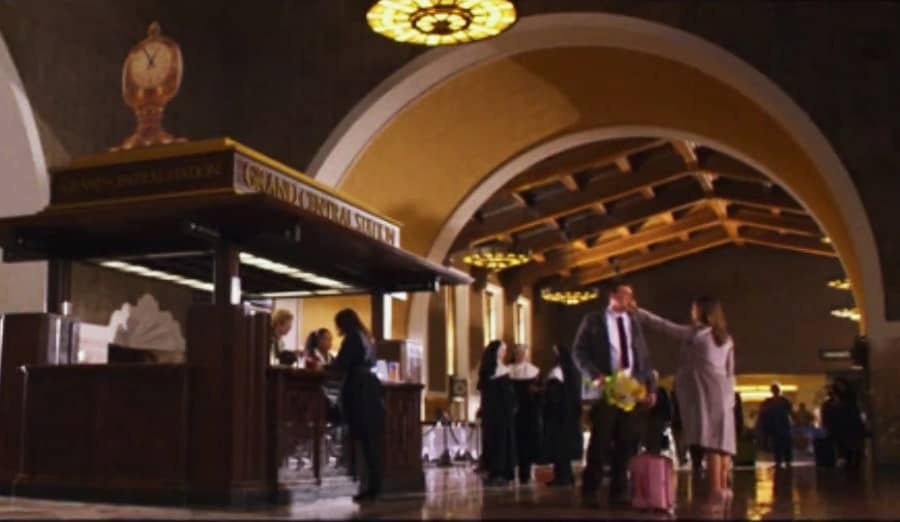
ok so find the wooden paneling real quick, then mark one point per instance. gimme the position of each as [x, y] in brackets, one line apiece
[26, 339]
[227, 352]
[117, 431]
[403, 438]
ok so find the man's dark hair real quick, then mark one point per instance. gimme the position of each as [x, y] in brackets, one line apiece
[616, 284]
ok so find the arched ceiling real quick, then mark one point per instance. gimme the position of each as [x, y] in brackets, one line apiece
[613, 207]
[439, 148]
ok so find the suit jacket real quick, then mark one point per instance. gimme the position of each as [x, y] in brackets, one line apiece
[592, 349]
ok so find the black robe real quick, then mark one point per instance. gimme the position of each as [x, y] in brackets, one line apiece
[563, 438]
[498, 407]
[527, 422]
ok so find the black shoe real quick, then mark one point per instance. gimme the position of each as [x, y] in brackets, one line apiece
[366, 496]
[619, 501]
[555, 483]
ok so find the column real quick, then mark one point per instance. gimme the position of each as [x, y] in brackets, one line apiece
[884, 367]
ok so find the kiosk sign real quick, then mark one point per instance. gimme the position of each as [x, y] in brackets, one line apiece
[254, 177]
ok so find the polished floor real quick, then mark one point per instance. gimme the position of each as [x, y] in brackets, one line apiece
[761, 493]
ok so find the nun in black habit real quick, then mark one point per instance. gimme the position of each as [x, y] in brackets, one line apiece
[563, 439]
[524, 376]
[498, 407]
[362, 398]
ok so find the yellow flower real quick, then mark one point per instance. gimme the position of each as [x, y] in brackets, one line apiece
[623, 391]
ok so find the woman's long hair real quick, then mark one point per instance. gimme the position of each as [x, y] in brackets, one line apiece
[488, 363]
[712, 315]
[348, 322]
[312, 341]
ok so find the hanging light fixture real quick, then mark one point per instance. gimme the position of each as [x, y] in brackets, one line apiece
[440, 22]
[847, 313]
[495, 257]
[568, 297]
[839, 284]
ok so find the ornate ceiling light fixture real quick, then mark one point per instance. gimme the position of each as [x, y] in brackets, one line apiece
[839, 284]
[495, 257]
[847, 313]
[440, 22]
[568, 297]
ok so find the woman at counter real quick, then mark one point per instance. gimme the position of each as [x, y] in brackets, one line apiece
[282, 321]
[362, 397]
[318, 349]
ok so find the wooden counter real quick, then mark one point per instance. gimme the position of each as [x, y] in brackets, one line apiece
[124, 432]
[310, 457]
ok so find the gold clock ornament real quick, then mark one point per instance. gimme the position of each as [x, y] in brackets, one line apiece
[151, 77]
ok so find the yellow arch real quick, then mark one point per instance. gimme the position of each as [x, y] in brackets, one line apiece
[431, 154]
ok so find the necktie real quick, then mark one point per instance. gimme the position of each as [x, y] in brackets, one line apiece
[624, 360]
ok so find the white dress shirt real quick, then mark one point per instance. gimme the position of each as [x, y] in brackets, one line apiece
[615, 350]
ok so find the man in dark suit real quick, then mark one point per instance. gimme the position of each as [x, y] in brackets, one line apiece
[607, 341]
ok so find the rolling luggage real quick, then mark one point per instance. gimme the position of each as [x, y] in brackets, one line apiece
[653, 482]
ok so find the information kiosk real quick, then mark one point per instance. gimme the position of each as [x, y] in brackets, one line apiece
[223, 427]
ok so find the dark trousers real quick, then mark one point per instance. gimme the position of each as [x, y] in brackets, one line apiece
[369, 441]
[616, 429]
[562, 471]
[782, 449]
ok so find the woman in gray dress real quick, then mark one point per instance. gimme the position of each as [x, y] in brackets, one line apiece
[704, 384]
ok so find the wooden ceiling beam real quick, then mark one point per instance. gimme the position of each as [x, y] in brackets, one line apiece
[657, 170]
[704, 240]
[712, 161]
[801, 244]
[601, 253]
[675, 197]
[570, 183]
[756, 195]
[685, 149]
[783, 223]
[590, 156]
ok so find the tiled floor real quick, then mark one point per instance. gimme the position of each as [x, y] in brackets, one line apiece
[762, 493]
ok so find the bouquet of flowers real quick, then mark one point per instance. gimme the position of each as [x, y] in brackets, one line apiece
[623, 391]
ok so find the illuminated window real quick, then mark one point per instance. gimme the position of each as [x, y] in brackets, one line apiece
[492, 318]
[522, 321]
[450, 318]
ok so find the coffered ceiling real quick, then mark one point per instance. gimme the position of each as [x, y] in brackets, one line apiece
[614, 207]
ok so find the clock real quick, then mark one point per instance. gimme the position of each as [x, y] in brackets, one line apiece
[151, 77]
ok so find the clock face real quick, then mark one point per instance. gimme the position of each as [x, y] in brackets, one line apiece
[150, 64]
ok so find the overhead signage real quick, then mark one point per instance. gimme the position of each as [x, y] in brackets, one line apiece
[254, 177]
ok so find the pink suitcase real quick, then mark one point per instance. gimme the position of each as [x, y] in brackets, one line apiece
[652, 482]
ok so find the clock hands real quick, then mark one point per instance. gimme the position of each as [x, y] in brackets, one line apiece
[150, 57]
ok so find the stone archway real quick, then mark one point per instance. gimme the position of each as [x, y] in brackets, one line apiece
[413, 149]
[26, 183]
[348, 155]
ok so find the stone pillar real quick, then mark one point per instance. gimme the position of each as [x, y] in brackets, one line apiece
[884, 375]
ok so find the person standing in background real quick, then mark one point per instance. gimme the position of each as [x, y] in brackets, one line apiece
[498, 410]
[563, 439]
[524, 377]
[282, 321]
[775, 426]
[318, 348]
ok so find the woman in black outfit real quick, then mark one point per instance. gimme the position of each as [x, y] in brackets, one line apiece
[563, 439]
[362, 397]
[498, 408]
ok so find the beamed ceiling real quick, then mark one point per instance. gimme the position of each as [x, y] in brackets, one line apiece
[619, 206]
